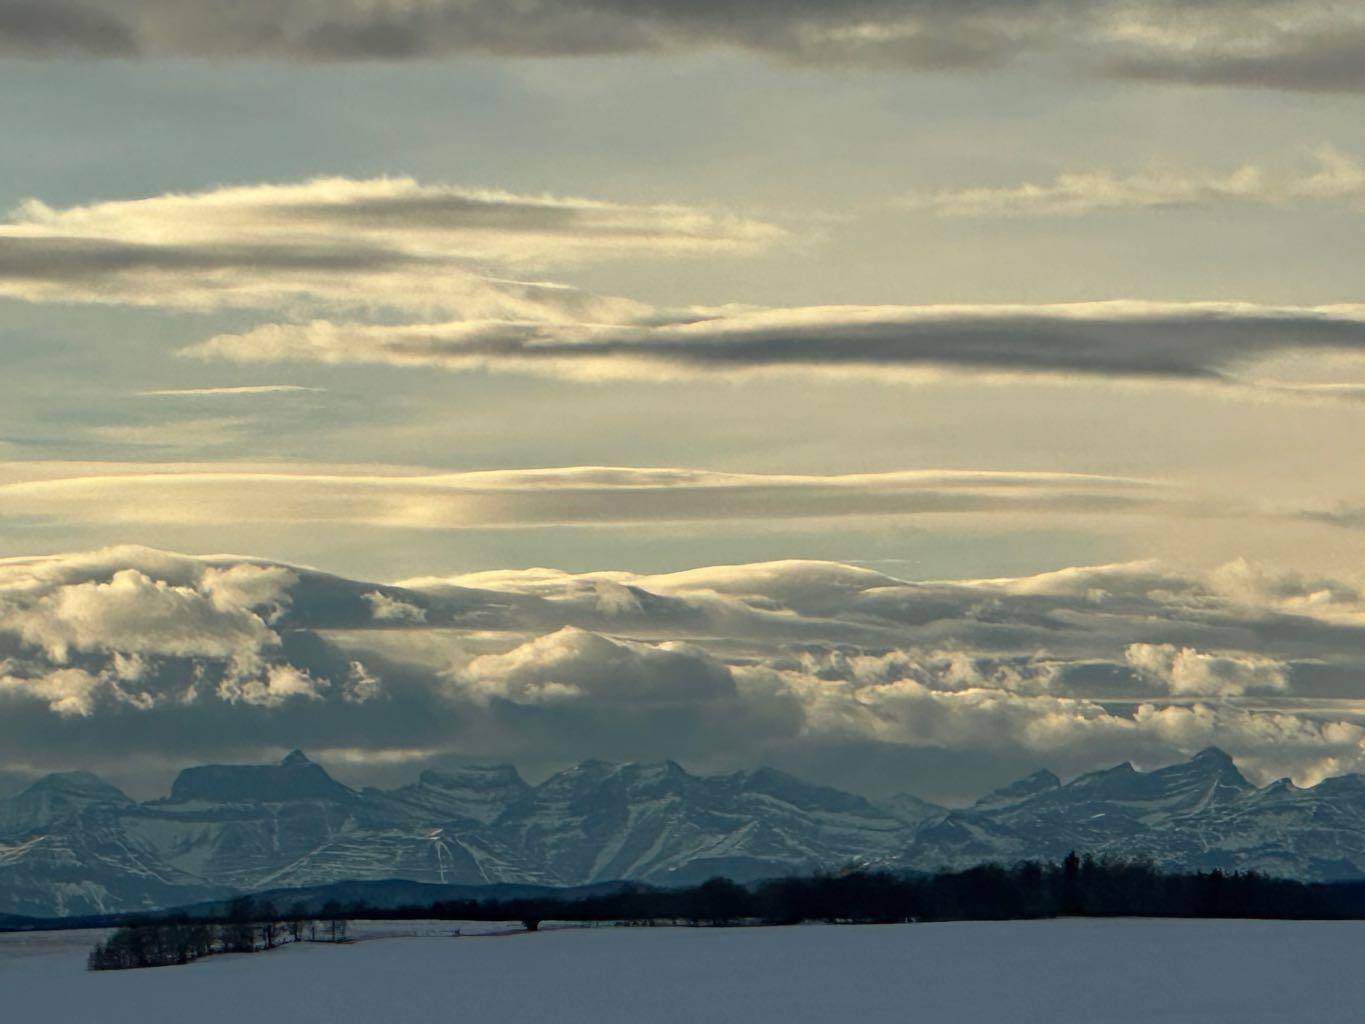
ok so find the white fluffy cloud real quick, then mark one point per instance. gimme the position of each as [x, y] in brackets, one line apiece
[1051, 669]
[143, 628]
[948, 671]
[1077, 668]
[1184, 671]
[574, 664]
[133, 613]
[67, 691]
[386, 608]
[277, 685]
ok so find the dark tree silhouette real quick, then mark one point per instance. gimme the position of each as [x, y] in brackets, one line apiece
[1080, 884]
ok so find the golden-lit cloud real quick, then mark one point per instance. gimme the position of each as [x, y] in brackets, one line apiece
[1194, 342]
[383, 242]
[1337, 180]
[224, 493]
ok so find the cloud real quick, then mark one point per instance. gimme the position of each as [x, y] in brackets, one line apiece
[1350, 517]
[203, 432]
[573, 664]
[392, 609]
[66, 691]
[397, 250]
[1294, 44]
[383, 242]
[53, 28]
[228, 392]
[141, 629]
[361, 685]
[276, 686]
[1044, 632]
[1057, 730]
[1338, 180]
[947, 671]
[1185, 671]
[920, 33]
[1297, 45]
[1203, 342]
[587, 495]
[111, 655]
[1267, 745]
[133, 613]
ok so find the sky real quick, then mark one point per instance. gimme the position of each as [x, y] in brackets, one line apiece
[902, 324]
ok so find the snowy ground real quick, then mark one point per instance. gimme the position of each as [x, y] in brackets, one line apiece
[1057, 972]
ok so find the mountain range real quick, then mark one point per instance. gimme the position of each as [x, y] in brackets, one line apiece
[73, 844]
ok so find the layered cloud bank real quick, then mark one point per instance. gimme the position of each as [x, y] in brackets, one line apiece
[131, 654]
[394, 272]
[582, 495]
[1294, 44]
[379, 243]
[1203, 342]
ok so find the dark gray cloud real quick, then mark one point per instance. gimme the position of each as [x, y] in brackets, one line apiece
[919, 33]
[1296, 44]
[1212, 342]
[41, 28]
[1351, 517]
[447, 210]
[1329, 60]
[94, 260]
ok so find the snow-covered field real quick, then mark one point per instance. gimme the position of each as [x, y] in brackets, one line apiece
[1058, 972]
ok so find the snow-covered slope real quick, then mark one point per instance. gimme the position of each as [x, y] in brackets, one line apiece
[1199, 814]
[73, 844]
[65, 849]
[1075, 971]
[81, 846]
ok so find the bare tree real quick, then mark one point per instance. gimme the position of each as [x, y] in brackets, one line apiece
[333, 914]
[269, 923]
[296, 917]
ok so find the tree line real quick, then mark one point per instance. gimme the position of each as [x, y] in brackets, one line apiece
[248, 926]
[1078, 886]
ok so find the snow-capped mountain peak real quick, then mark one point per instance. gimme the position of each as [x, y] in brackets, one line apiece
[71, 843]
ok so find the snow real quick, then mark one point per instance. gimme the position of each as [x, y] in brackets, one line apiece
[1051, 972]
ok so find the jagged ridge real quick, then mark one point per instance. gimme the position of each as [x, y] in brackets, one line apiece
[73, 844]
